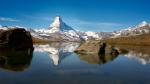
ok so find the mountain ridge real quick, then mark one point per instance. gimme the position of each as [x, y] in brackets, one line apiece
[60, 31]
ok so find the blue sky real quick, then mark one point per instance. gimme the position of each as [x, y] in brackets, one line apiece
[84, 15]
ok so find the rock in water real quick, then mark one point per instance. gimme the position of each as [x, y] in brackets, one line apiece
[89, 47]
[16, 38]
[102, 48]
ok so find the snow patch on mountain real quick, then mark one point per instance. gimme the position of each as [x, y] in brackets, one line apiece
[144, 23]
[93, 34]
[142, 28]
[36, 34]
[3, 27]
[59, 26]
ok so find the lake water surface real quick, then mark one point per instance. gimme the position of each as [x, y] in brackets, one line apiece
[57, 64]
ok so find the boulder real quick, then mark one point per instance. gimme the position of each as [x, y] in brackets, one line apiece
[88, 47]
[91, 47]
[102, 48]
[16, 38]
[96, 47]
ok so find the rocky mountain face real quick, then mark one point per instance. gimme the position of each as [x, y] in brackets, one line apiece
[59, 26]
[142, 28]
[60, 31]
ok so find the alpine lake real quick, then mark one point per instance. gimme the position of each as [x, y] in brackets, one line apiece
[56, 63]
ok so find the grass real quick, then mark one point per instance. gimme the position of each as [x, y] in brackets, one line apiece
[37, 40]
[132, 40]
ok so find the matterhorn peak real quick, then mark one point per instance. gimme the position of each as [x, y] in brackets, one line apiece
[58, 18]
[144, 23]
[57, 22]
[58, 25]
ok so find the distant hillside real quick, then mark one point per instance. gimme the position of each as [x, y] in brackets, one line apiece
[143, 39]
[36, 40]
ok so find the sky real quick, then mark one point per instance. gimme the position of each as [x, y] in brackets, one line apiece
[83, 15]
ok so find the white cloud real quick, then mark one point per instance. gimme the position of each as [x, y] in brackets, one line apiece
[75, 21]
[84, 25]
[81, 22]
[4, 19]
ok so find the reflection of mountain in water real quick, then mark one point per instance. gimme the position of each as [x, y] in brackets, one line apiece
[140, 53]
[15, 60]
[57, 51]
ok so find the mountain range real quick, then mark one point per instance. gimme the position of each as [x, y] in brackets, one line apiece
[142, 28]
[60, 31]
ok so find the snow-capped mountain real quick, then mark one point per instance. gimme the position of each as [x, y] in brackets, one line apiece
[3, 27]
[60, 31]
[59, 26]
[95, 35]
[142, 28]
[36, 34]
[144, 23]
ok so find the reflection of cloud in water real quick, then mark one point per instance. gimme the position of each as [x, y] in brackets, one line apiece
[142, 58]
[57, 51]
[140, 53]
